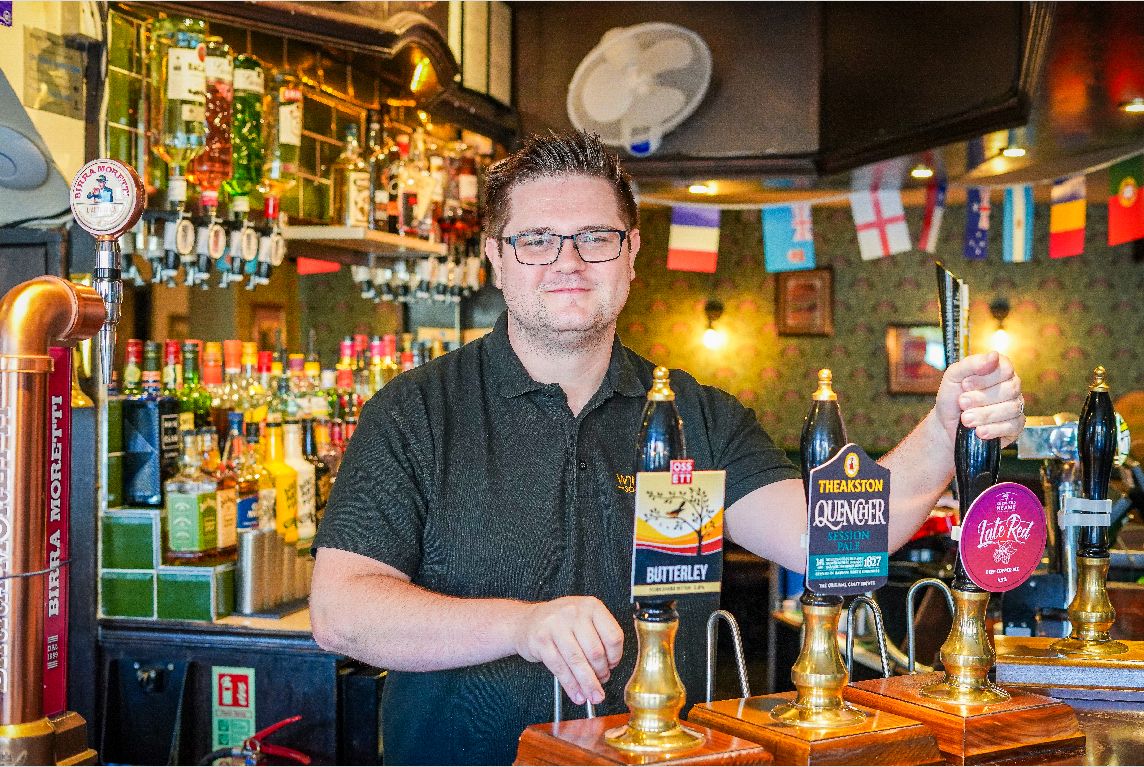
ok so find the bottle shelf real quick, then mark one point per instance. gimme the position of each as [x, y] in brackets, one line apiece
[349, 244]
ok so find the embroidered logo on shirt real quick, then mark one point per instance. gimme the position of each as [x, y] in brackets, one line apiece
[626, 482]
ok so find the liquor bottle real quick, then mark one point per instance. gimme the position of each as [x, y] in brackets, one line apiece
[265, 511]
[194, 399]
[313, 365]
[299, 384]
[323, 472]
[324, 446]
[212, 367]
[192, 523]
[225, 492]
[350, 179]
[236, 456]
[178, 98]
[285, 481]
[307, 482]
[172, 369]
[417, 190]
[212, 166]
[132, 372]
[230, 396]
[283, 141]
[150, 436]
[246, 137]
[283, 404]
[377, 162]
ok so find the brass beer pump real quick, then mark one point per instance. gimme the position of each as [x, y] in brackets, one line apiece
[1090, 612]
[655, 693]
[967, 654]
[819, 674]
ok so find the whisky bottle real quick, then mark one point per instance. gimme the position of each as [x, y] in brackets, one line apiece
[192, 523]
[225, 492]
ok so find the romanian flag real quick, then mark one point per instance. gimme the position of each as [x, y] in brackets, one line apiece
[1125, 209]
[1066, 217]
[693, 243]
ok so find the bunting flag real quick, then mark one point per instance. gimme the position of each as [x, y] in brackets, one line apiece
[1125, 209]
[1017, 237]
[693, 243]
[880, 222]
[788, 238]
[1066, 217]
[931, 221]
[977, 211]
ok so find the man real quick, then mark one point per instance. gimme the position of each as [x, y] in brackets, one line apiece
[477, 539]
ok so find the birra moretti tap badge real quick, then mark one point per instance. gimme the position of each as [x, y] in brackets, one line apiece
[106, 197]
[848, 540]
[678, 532]
[1003, 537]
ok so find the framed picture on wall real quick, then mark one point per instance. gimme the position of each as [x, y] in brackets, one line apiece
[915, 358]
[804, 303]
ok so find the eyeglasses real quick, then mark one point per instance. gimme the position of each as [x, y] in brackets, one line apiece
[543, 248]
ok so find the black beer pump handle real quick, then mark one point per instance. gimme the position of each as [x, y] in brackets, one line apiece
[1096, 444]
[975, 463]
[823, 435]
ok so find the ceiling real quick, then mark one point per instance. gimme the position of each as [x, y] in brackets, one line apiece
[1094, 63]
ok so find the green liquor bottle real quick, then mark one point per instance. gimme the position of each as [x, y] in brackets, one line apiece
[191, 531]
[194, 399]
[246, 133]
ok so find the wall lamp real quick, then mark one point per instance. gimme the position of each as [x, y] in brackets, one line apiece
[713, 338]
[1000, 340]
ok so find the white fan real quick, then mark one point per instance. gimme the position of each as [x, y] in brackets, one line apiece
[639, 83]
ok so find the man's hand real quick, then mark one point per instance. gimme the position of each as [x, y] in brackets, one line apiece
[577, 639]
[983, 392]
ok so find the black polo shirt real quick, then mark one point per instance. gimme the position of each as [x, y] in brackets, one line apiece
[477, 481]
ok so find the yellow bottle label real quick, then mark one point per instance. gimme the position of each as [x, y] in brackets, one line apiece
[286, 502]
[226, 512]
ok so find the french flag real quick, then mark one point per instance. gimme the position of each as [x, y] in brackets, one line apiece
[693, 242]
[931, 221]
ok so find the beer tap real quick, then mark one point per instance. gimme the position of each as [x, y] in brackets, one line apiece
[383, 279]
[242, 249]
[442, 275]
[401, 278]
[1091, 612]
[154, 251]
[819, 674]
[107, 199]
[426, 271]
[363, 278]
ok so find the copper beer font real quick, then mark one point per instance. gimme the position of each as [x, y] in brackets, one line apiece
[33, 315]
[819, 674]
[654, 695]
[967, 655]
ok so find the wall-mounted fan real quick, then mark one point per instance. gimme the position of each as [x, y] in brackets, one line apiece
[639, 83]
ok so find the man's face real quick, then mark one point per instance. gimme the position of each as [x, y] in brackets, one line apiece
[569, 299]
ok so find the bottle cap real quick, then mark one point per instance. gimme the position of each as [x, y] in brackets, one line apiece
[390, 344]
[297, 363]
[825, 392]
[312, 369]
[265, 361]
[250, 353]
[661, 386]
[346, 348]
[376, 348]
[172, 352]
[232, 355]
[134, 351]
[1099, 379]
[361, 343]
[212, 363]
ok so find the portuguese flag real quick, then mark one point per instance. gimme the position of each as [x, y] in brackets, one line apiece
[1125, 208]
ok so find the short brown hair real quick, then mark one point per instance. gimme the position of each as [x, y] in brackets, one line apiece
[576, 153]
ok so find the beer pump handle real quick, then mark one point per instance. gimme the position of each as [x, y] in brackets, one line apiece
[823, 435]
[1096, 444]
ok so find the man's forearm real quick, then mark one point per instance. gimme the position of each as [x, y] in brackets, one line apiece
[392, 624]
[921, 466]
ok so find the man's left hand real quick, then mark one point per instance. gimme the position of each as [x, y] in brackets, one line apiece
[983, 392]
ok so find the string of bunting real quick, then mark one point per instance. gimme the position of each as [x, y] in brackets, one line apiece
[875, 201]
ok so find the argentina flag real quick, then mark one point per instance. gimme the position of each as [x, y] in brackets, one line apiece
[1017, 238]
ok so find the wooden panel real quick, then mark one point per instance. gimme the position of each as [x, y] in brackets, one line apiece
[581, 741]
[972, 734]
[883, 738]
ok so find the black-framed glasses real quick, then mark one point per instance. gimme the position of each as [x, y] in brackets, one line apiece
[543, 248]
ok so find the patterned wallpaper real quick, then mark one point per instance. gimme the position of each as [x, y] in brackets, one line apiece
[1067, 316]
